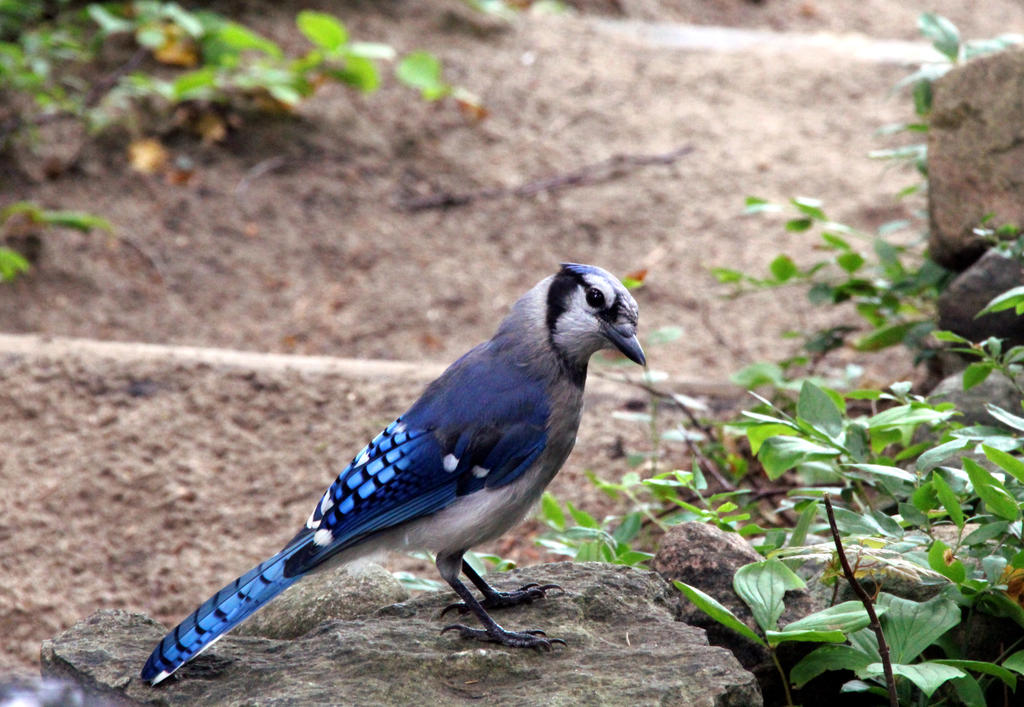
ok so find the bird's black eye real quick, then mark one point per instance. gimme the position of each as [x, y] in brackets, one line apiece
[595, 298]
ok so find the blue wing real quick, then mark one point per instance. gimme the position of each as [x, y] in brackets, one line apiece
[482, 424]
[477, 426]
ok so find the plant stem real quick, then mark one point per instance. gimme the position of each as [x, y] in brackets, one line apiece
[883, 647]
[782, 674]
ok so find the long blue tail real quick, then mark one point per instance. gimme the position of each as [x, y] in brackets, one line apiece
[219, 614]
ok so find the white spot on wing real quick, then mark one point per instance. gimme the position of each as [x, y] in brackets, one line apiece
[480, 472]
[363, 458]
[312, 522]
[325, 503]
[399, 428]
[322, 537]
[450, 462]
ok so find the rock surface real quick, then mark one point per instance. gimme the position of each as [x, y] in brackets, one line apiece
[706, 557]
[347, 594]
[975, 155]
[990, 276]
[624, 647]
[995, 389]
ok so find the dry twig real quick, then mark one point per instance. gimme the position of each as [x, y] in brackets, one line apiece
[604, 171]
[865, 599]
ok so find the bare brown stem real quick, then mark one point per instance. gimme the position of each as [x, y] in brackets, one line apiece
[611, 168]
[865, 599]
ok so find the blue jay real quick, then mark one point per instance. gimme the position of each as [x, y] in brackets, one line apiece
[464, 464]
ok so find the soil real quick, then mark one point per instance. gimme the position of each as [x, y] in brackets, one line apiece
[145, 486]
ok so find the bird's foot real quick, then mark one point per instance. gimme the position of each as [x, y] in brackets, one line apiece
[500, 600]
[516, 639]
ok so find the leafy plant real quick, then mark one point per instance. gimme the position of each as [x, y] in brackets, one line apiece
[27, 216]
[201, 57]
[892, 287]
[586, 539]
[954, 51]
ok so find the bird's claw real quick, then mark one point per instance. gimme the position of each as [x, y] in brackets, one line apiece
[526, 594]
[531, 638]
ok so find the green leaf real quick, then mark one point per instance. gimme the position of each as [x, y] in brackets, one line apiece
[986, 532]
[948, 499]
[1008, 419]
[727, 275]
[977, 373]
[928, 676]
[12, 264]
[969, 691]
[758, 374]
[582, 518]
[183, 18]
[885, 471]
[1012, 465]
[885, 336]
[194, 84]
[78, 220]
[981, 666]
[108, 22]
[422, 70]
[551, 511]
[828, 658]
[1011, 299]
[991, 491]
[777, 637]
[759, 433]
[783, 268]
[358, 72]
[911, 626]
[847, 617]
[710, 606]
[755, 205]
[834, 241]
[819, 410]
[763, 585]
[907, 415]
[803, 524]
[323, 30]
[949, 337]
[850, 262]
[372, 50]
[936, 455]
[954, 571]
[241, 38]
[781, 453]
[943, 33]
[1015, 662]
[809, 207]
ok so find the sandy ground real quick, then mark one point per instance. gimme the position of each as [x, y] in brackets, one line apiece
[146, 485]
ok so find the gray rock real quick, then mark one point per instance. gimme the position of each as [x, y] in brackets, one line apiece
[995, 389]
[974, 288]
[975, 155]
[707, 557]
[345, 594]
[624, 647]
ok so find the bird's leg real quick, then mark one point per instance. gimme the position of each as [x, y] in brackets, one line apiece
[448, 566]
[493, 599]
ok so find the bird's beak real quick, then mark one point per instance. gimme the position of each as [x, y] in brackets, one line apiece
[624, 339]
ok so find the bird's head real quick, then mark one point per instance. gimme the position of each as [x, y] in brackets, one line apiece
[588, 309]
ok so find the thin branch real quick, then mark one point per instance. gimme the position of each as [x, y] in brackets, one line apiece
[604, 171]
[102, 87]
[865, 599]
